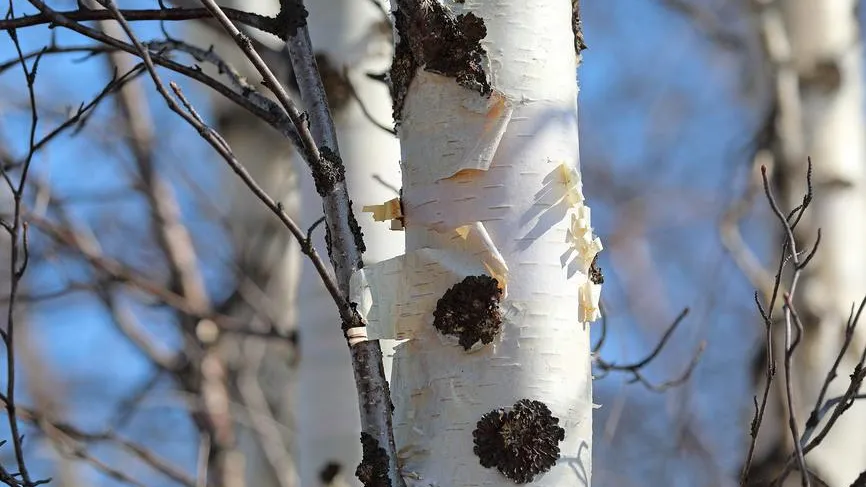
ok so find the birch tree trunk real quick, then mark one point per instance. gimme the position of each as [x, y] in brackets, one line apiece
[352, 38]
[817, 52]
[497, 286]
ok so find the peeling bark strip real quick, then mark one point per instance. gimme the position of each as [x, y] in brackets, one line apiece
[469, 310]
[373, 469]
[521, 443]
[433, 39]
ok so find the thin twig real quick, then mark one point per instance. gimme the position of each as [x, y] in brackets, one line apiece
[143, 454]
[636, 368]
[791, 319]
[270, 112]
[363, 106]
[260, 22]
[18, 259]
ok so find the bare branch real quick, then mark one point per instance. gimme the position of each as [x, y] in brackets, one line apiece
[636, 369]
[260, 22]
[273, 115]
[18, 258]
[791, 318]
[72, 433]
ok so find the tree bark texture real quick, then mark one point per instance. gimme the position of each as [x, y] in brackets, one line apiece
[494, 293]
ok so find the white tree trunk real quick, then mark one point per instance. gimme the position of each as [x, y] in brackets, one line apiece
[493, 293]
[817, 49]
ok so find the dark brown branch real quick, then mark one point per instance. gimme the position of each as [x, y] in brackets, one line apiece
[761, 408]
[836, 406]
[143, 454]
[269, 112]
[820, 408]
[18, 259]
[260, 22]
[636, 368]
[363, 106]
[88, 51]
[791, 318]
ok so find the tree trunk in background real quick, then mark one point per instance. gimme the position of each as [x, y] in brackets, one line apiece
[493, 386]
[268, 264]
[263, 372]
[348, 35]
[817, 55]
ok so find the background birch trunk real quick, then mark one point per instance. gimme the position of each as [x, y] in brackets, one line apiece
[267, 268]
[270, 267]
[352, 39]
[816, 51]
[493, 386]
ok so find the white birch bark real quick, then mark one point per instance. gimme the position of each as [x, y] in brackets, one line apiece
[485, 95]
[817, 50]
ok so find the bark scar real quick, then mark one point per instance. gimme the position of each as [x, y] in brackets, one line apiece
[430, 37]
